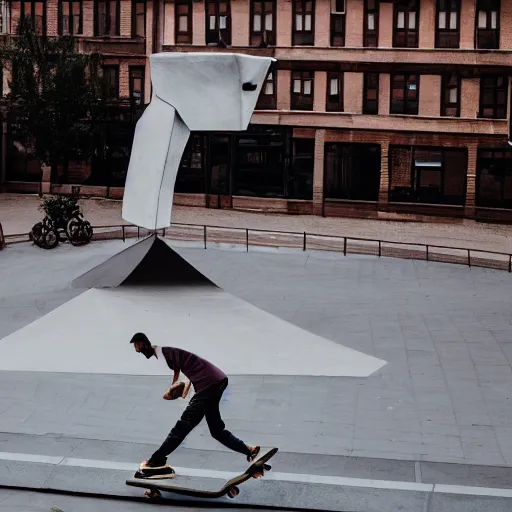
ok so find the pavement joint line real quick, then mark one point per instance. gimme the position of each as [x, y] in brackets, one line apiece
[417, 472]
[276, 476]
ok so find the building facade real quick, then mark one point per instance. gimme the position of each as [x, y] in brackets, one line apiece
[373, 108]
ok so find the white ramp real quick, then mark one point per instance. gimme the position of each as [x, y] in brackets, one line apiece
[91, 334]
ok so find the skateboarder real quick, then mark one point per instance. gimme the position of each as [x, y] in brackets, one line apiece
[209, 384]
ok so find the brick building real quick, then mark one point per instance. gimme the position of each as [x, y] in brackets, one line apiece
[373, 107]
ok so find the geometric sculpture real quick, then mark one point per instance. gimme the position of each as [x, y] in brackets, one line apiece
[191, 91]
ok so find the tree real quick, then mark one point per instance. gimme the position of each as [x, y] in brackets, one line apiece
[56, 93]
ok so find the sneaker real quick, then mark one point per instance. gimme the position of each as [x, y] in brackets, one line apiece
[151, 471]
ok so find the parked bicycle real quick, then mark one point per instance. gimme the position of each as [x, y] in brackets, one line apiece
[64, 222]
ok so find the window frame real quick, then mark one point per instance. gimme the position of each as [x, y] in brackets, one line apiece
[270, 100]
[131, 78]
[135, 3]
[108, 20]
[495, 90]
[366, 109]
[371, 37]
[183, 37]
[60, 22]
[262, 37]
[115, 68]
[447, 37]
[303, 37]
[302, 101]
[33, 16]
[398, 7]
[487, 38]
[335, 105]
[214, 36]
[445, 103]
[405, 110]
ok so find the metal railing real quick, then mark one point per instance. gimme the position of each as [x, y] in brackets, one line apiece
[245, 238]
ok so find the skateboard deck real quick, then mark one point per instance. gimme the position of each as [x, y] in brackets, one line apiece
[230, 488]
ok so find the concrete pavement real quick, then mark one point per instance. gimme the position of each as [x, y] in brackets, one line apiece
[19, 212]
[441, 403]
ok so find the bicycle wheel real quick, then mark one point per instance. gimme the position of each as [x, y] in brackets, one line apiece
[50, 239]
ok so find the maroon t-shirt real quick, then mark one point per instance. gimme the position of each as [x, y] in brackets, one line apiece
[199, 371]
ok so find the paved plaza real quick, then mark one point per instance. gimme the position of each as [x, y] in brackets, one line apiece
[444, 330]
[18, 213]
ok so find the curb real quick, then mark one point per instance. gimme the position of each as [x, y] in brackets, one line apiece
[276, 490]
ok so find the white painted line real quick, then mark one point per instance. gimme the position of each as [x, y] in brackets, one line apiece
[24, 457]
[100, 464]
[473, 491]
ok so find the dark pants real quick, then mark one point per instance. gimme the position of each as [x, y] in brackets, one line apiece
[203, 404]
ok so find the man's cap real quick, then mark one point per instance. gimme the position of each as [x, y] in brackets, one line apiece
[139, 336]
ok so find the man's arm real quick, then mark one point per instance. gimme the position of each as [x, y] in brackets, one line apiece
[186, 390]
[176, 376]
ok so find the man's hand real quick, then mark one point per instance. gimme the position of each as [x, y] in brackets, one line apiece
[186, 390]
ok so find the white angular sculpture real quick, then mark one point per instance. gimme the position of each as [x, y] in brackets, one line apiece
[191, 91]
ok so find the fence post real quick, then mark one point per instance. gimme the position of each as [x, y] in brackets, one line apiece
[344, 246]
[469, 257]
[124, 238]
[138, 232]
[427, 251]
[380, 249]
[205, 236]
[247, 240]
[510, 263]
[304, 242]
[163, 233]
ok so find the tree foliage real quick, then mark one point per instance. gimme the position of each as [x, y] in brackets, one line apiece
[55, 93]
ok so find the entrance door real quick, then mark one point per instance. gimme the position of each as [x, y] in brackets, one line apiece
[219, 164]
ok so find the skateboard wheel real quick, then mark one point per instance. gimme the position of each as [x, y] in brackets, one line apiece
[233, 491]
[152, 494]
[267, 467]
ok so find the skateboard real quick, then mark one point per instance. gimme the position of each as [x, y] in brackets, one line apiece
[230, 488]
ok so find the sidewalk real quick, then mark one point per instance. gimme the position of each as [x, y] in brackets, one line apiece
[18, 213]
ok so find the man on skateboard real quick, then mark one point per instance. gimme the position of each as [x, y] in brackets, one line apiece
[209, 384]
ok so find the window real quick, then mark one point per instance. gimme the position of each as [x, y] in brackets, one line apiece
[33, 14]
[268, 94]
[488, 24]
[183, 21]
[352, 171]
[450, 99]
[494, 178]
[263, 28]
[4, 17]
[139, 18]
[107, 17]
[261, 167]
[428, 175]
[337, 30]
[371, 94]
[493, 97]
[111, 81]
[137, 78]
[302, 90]
[404, 94]
[300, 179]
[70, 18]
[218, 21]
[405, 23]
[191, 178]
[303, 22]
[334, 101]
[448, 24]
[371, 24]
